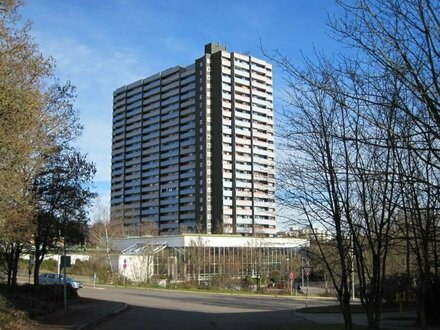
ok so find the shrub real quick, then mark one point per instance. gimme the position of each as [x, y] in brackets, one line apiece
[248, 282]
[275, 277]
[50, 265]
[396, 284]
[432, 301]
[98, 265]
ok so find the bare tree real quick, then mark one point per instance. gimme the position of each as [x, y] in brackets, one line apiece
[419, 227]
[399, 38]
[341, 175]
[195, 258]
[398, 42]
[312, 179]
[364, 140]
[103, 231]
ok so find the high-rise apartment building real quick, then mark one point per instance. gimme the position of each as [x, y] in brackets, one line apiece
[193, 148]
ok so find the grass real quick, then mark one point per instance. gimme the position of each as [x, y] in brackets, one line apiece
[21, 305]
[12, 317]
[191, 287]
[357, 308]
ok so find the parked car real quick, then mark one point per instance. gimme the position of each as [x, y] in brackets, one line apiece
[53, 278]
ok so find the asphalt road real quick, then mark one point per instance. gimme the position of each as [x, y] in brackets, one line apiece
[156, 309]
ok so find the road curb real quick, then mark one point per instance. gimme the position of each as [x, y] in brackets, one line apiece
[100, 319]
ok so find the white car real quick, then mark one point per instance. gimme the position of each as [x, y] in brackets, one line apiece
[53, 278]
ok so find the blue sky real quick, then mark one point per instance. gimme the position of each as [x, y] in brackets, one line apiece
[101, 45]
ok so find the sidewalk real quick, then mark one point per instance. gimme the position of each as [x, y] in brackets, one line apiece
[395, 320]
[81, 314]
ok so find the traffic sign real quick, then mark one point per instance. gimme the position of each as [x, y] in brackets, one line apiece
[65, 261]
[307, 271]
[292, 275]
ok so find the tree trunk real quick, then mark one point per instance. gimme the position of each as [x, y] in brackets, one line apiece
[37, 268]
[9, 258]
[346, 311]
[373, 315]
[15, 258]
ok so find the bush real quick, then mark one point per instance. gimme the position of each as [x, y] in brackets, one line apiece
[97, 265]
[397, 284]
[432, 301]
[23, 264]
[222, 282]
[248, 282]
[183, 285]
[275, 277]
[50, 265]
[82, 268]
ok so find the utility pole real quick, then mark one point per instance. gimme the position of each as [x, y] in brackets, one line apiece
[352, 273]
[64, 270]
[64, 263]
[352, 268]
[302, 272]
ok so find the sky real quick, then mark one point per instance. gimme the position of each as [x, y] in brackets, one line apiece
[101, 45]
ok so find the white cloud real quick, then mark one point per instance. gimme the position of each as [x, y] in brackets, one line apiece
[96, 72]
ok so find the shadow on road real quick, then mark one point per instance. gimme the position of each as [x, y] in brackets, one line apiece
[136, 317]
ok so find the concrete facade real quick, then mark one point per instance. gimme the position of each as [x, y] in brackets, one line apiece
[193, 148]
